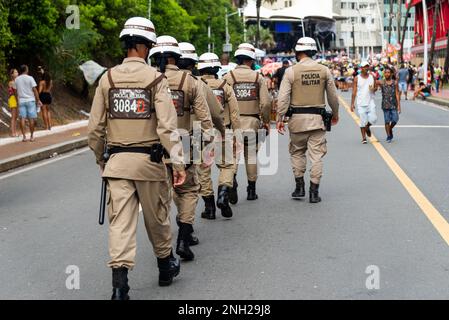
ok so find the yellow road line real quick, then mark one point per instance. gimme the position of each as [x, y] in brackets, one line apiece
[421, 200]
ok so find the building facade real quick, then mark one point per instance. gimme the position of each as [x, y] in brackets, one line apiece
[442, 27]
[360, 33]
[409, 28]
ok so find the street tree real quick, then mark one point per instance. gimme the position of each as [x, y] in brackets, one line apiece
[404, 28]
[436, 14]
[390, 22]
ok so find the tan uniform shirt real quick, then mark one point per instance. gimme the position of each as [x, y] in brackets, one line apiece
[195, 96]
[306, 122]
[133, 73]
[244, 73]
[231, 114]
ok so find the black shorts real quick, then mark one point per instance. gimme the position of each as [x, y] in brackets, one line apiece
[45, 98]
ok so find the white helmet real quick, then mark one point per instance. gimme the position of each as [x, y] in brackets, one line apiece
[247, 50]
[139, 27]
[208, 60]
[306, 44]
[188, 51]
[165, 44]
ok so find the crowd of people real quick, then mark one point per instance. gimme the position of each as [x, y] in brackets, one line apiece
[26, 99]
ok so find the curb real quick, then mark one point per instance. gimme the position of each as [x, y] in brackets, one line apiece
[41, 154]
[441, 102]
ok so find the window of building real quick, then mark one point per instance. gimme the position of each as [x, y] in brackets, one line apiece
[353, 19]
[372, 20]
[353, 5]
[343, 5]
[290, 3]
[363, 20]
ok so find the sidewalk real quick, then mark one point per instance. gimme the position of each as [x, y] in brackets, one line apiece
[15, 153]
[441, 98]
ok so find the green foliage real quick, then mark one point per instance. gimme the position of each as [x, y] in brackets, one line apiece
[70, 51]
[170, 18]
[201, 10]
[34, 31]
[6, 39]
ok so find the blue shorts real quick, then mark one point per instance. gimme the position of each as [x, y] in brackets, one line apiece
[28, 110]
[402, 86]
[391, 115]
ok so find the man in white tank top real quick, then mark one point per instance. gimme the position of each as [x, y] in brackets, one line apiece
[363, 94]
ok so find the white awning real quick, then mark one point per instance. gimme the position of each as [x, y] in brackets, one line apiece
[302, 10]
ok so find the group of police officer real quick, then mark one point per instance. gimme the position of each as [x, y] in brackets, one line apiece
[145, 119]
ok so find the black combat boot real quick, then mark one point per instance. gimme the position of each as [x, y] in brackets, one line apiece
[223, 201]
[233, 195]
[209, 208]
[183, 243]
[120, 286]
[251, 189]
[169, 268]
[314, 195]
[193, 239]
[300, 188]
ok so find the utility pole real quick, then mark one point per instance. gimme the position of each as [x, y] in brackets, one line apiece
[353, 40]
[426, 30]
[208, 35]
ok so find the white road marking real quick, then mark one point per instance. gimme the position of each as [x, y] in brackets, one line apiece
[412, 126]
[44, 163]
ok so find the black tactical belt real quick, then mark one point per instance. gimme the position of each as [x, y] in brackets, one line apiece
[310, 110]
[146, 150]
[251, 115]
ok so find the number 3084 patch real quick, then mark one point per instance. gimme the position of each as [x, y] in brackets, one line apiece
[129, 103]
[246, 91]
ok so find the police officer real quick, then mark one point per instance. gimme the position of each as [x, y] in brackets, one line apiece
[132, 112]
[208, 66]
[254, 104]
[302, 93]
[187, 63]
[190, 105]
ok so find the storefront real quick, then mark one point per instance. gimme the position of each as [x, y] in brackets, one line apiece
[442, 28]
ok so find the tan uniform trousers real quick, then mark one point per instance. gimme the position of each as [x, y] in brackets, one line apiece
[123, 211]
[312, 142]
[226, 176]
[250, 127]
[186, 196]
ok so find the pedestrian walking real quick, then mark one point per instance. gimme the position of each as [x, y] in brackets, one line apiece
[391, 101]
[28, 97]
[363, 97]
[403, 75]
[12, 101]
[437, 73]
[302, 100]
[132, 114]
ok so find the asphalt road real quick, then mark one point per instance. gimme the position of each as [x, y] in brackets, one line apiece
[273, 248]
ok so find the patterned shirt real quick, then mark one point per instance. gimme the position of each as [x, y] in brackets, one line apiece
[389, 100]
